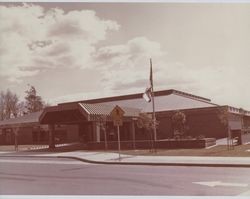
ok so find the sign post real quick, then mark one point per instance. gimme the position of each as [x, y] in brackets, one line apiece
[119, 144]
[117, 116]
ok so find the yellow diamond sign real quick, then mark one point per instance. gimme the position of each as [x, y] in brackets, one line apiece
[117, 115]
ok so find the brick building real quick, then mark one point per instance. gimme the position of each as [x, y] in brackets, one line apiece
[80, 121]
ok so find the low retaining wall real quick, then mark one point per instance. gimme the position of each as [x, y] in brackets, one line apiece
[159, 144]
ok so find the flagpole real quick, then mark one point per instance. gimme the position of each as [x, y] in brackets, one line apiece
[153, 100]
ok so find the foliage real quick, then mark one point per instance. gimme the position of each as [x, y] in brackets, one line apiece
[179, 124]
[146, 121]
[33, 101]
[223, 116]
[9, 105]
[200, 137]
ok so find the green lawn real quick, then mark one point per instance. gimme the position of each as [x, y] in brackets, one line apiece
[221, 150]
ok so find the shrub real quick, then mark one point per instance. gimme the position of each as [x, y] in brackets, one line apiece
[179, 124]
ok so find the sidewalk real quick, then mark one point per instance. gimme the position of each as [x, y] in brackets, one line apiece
[113, 158]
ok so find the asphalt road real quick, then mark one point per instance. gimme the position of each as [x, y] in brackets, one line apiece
[53, 176]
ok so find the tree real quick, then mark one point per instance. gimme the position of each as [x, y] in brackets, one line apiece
[21, 108]
[33, 101]
[223, 115]
[11, 104]
[102, 122]
[8, 105]
[2, 106]
[146, 122]
[179, 124]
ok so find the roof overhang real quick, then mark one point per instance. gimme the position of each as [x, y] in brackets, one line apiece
[68, 114]
[62, 114]
[19, 125]
[81, 112]
[28, 120]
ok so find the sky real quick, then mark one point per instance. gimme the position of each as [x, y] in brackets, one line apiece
[76, 51]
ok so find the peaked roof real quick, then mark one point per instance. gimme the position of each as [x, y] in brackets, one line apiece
[93, 111]
[25, 120]
[73, 113]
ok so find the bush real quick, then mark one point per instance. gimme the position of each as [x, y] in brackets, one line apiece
[200, 137]
[179, 124]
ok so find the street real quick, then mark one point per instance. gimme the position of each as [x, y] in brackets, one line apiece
[54, 176]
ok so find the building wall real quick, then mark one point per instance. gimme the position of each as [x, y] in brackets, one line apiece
[72, 133]
[35, 135]
[246, 121]
[6, 136]
[198, 122]
[85, 131]
[25, 135]
[203, 121]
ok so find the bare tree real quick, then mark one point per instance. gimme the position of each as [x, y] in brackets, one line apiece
[13, 103]
[8, 105]
[21, 109]
[2, 106]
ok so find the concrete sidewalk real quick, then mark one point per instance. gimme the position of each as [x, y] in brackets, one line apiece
[113, 158]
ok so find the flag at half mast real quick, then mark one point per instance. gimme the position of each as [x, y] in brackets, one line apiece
[147, 95]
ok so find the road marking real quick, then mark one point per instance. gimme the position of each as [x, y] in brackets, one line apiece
[41, 161]
[246, 193]
[3, 152]
[219, 183]
[209, 147]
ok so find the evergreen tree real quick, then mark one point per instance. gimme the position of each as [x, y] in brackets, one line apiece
[33, 102]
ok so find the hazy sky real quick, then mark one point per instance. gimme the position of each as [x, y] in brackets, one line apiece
[73, 51]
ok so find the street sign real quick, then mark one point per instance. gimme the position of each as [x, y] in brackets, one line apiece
[118, 122]
[117, 115]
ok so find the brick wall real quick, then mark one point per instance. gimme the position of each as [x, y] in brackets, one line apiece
[199, 122]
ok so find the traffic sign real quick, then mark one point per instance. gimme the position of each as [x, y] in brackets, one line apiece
[117, 115]
[118, 122]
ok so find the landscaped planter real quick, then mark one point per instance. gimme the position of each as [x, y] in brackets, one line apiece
[185, 143]
[159, 144]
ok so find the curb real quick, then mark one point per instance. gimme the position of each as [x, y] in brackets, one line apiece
[157, 164]
[136, 163]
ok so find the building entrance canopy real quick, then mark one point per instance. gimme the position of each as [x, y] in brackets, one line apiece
[82, 112]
